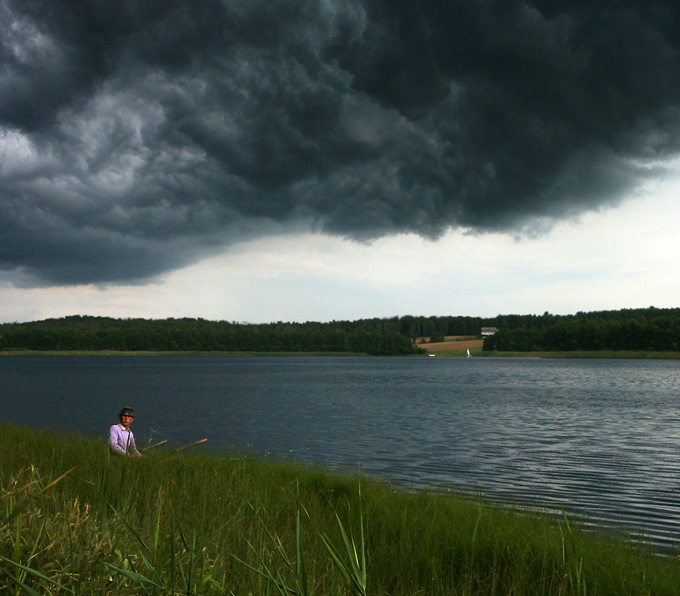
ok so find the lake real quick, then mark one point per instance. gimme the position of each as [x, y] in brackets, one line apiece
[596, 437]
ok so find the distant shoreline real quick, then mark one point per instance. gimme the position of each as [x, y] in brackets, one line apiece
[622, 354]
[168, 353]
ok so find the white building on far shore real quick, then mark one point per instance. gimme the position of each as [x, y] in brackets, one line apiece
[486, 331]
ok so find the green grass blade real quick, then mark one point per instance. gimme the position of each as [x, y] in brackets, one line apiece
[133, 575]
[147, 563]
[32, 572]
[354, 574]
[19, 583]
[274, 579]
[16, 511]
[130, 529]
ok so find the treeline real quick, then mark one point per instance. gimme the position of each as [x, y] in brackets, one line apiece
[103, 333]
[630, 329]
[376, 336]
[651, 329]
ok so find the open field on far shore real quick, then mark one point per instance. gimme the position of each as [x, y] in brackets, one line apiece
[457, 345]
[454, 345]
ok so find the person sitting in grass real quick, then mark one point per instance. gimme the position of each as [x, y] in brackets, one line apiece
[121, 439]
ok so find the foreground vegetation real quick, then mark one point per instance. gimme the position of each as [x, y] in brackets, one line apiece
[73, 520]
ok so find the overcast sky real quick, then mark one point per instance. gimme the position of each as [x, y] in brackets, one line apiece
[337, 159]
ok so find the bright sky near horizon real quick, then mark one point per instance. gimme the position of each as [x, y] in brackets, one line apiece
[341, 159]
[624, 257]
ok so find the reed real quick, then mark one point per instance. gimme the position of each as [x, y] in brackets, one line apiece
[74, 520]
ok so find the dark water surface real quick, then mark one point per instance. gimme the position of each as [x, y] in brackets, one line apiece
[597, 437]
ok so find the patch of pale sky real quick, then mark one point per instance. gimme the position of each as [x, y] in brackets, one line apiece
[17, 156]
[616, 258]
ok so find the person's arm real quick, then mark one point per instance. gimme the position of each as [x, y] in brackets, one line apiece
[132, 448]
[114, 443]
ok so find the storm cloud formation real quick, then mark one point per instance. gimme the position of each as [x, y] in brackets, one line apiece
[137, 135]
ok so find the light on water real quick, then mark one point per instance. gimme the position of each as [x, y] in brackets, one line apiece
[596, 437]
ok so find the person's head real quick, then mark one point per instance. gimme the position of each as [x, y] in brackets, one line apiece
[126, 416]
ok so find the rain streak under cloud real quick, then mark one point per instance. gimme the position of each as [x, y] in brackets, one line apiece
[139, 136]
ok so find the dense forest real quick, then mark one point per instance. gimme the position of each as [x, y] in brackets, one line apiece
[651, 329]
[638, 329]
[103, 333]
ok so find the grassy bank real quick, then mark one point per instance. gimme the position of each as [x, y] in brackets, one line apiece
[73, 520]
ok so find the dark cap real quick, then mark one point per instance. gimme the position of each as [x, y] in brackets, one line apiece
[127, 412]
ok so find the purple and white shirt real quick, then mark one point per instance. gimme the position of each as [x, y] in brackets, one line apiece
[122, 441]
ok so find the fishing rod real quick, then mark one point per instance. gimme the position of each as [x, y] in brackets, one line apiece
[150, 447]
[164, 441]
[189, 446]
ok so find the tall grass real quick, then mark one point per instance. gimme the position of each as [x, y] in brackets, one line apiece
[74, 520]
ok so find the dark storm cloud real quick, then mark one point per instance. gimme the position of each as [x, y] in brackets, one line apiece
[138, 135]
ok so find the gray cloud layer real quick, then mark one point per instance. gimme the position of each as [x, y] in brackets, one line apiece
[137, 135]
